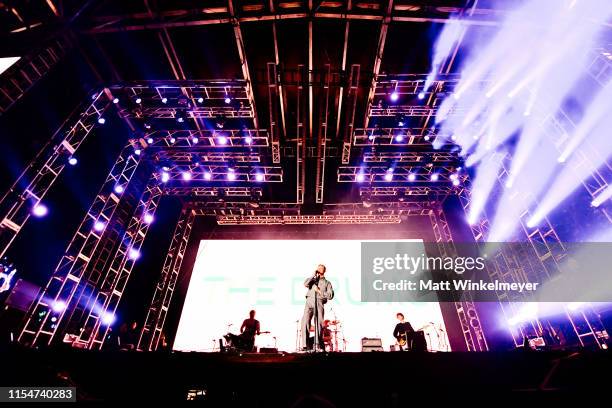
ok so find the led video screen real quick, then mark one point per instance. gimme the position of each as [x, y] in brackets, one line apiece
[231, 277]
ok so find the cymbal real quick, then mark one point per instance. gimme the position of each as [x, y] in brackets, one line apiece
[334, 322]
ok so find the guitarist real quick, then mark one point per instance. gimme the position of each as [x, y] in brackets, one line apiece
[403, 333]
[248, 330]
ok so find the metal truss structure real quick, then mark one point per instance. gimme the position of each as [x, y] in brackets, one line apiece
[202, 141]
[25, 73]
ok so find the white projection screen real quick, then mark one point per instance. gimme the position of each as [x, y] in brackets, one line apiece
[231, 277]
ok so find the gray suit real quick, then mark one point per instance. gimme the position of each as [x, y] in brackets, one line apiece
[327, 293]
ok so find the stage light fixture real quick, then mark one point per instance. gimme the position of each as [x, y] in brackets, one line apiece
[426, 138]
[394, 96]
[456, 182]
[150, 140]
[72, 161]
[138, 100]
[134, 254]
[371, 138]
[107, 318]
[116, 101]
[434, 177]
[248, 140]
[99, 226]
[389, 175]
[231, 175]
[207, 176]
[360, 177]
[222, 140]
[180, 119]
[137, 152]
[259, 177]
[148, 218]
[200, 100]
[164, 100]
[101, 120]
[186, 176]
[411, 177]
[400, 123]
[399, 138]
[172, 140]
[58, 306]
[147, 126]
[165, 177]
[40, 210]
[119, 189]
[421, 95]
[228, 100]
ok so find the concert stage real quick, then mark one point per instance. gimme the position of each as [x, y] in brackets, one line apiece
[342, 379]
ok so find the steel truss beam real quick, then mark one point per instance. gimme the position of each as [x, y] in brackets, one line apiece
[25, 73]
[403, 173]
[322, 141]
[536, 261]
[82, 265]
[211, 173]
[411, 157]
[389, 137]
[195, 191]
[306, 219]
[401, 13]
[274, 93]
[399, 192]
[35, 181]
[152, 331]
[301, 132]
[383, 110]
[168, 139]
[351, 106]
[466, 309]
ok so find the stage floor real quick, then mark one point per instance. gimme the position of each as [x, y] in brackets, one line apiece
[342, 379]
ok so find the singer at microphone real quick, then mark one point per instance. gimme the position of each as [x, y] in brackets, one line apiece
[320, 290]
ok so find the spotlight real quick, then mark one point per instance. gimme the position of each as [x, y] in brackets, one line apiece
[165, 177]
[180, 119]
[134, 254]
[200, 99]
[195, 140]
[435, 177]
[426, 138]
[399, 138]
[456, 182]
[116, 101]
[360, 177]
[72, 161]
[164, 100]
[107, 318]
[137, 152]
[231, 175]
[138, 100]
[421, 95]
[99, 226]
[148, 218]
[394, 96]
[389, 175]
[453, 177]
[371, 138]
[207, 176]
[101, 120]
[223, 140]
[400, 124]
[259, 177]
[248, 140]
[172, 140]
[119, 189]
[228, 100]
[58, 306]
[186, 176]
[150, 140]
[40, 210]
[411, 177]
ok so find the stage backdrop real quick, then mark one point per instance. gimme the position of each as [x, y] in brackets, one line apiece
[231, 277]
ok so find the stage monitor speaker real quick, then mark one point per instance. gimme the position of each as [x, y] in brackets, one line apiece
[418, 341]
[371, 344]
